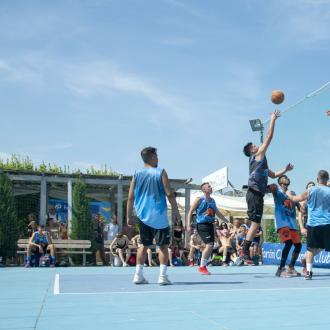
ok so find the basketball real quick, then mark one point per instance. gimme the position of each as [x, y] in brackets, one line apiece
[277, 96]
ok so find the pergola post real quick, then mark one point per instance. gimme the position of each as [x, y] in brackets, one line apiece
[120, 205]
[43, 201]
[69, 205]
[186, 211]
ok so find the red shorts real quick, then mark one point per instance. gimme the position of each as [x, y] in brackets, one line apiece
[286, 233]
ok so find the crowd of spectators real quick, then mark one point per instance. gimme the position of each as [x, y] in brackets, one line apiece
[123, 244]
[228, 245]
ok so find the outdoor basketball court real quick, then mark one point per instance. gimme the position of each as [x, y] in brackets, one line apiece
[232, 298]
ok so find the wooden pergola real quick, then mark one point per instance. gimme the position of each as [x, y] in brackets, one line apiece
[113, 188]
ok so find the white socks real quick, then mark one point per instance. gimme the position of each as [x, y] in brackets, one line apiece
[203, 262]
[139, 269]
[309, 267]
[162, 270]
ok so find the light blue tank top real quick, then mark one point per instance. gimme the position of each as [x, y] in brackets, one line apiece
[285, 211]
[318, 206]
[40, 239]
[149, 198]
[206, 210]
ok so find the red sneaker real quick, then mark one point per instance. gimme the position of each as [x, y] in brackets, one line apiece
[203, 270]
[190, 263]
[248, 262]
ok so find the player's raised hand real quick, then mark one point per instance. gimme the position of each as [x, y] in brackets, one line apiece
[328, 113]
[276, 114]
[289, 167]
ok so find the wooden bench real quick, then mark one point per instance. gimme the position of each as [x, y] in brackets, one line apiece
[62, 247]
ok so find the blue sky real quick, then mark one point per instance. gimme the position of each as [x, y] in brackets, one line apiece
[93, 82]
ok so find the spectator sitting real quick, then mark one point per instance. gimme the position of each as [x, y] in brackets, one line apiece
[40, 242]
[52, 215]
[119, 247]
[241, 235]
[178, 236]
[247, 223]
[130, 231]
[225, 240]
[255, 243]
[195, 245]
[63, 231]
[53, 228]
[136, 241]
[178, 253]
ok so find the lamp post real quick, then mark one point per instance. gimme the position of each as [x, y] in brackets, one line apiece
[257, 126]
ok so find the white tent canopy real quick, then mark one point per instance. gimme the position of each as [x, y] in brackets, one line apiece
[230, 205]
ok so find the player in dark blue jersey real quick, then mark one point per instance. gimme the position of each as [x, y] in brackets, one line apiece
[257, 184]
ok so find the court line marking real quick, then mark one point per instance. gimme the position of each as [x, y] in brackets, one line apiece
[57, 284]
[209, 320]
[190, 291]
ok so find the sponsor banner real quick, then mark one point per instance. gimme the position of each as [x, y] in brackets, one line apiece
[271, 253]
[102, 209]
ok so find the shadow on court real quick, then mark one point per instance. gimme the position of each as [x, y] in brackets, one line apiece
[206, 283]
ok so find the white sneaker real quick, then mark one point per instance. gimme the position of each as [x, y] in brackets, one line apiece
[139, 279]
[125, 265]
[163, 280]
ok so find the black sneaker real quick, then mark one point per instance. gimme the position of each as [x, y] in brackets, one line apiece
[255, 260]
[308, 275]
[281, 272]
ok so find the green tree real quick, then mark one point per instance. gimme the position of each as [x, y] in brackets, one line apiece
[8, 219]
[81, 225]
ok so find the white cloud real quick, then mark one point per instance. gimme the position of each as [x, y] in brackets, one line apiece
[101, 76]
[306, 22]
[19, 71]
[90, 79]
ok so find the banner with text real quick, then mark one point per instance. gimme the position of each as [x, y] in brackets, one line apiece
[271, 253]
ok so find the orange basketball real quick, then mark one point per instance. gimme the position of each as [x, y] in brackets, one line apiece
[277, 97]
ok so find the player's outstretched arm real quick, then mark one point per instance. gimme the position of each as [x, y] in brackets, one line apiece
[277, 174]
[299, 198]
[263, 148]
[130, 202]
[221, 216]
[170, 196]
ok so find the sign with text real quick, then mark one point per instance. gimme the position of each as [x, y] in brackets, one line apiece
[218, 179]
[271, 254]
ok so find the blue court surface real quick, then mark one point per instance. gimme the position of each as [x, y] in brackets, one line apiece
[105, 298]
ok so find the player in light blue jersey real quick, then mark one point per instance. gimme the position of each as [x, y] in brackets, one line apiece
[285, 223]
[148, 191]
[318, 223]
